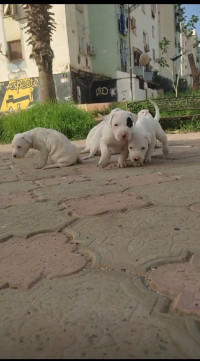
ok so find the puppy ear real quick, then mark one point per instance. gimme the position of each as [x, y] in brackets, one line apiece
[133, 117]
[28, 138]
[110, 118]
[148, 136]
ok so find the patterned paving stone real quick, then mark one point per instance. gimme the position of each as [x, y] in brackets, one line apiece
[15, 199]
[68, 179]
[181, 281]
[105, 203]
[195, 207]
[24, 262]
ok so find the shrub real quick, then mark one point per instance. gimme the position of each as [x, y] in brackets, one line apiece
[64, 117]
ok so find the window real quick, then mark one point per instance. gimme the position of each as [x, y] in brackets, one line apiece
[79, 59]
[153, 10]
[15, 50]
[153, 53]
[9, 9]
[141, 83]
[133, 25]
[144, 38]
[136, 56]
[123, 55]
[80, 8]
[153, 33]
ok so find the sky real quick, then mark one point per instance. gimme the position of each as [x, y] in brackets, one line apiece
[193, 9]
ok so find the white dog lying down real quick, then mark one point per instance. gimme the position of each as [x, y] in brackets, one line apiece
[116, 133]
[50, 143]
[147, 129]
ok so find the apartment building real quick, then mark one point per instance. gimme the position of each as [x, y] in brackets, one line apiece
[187, 47]
[96, 52]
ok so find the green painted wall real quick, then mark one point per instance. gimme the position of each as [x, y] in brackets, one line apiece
[105, 36]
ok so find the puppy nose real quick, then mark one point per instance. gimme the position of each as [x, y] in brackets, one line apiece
[124, 135]
[135, 159]
[14, 155]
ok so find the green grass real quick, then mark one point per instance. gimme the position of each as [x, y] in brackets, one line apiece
[64, 117]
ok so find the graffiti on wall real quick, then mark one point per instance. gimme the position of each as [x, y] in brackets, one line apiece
[17, 94]
[22, 93]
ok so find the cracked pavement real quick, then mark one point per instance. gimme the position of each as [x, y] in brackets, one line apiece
[101, 263]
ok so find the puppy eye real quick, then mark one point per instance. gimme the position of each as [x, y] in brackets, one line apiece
[143, 148]
[19, 146]
[116, 125]
[130, 147]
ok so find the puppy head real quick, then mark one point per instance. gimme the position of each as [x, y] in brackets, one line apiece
[122, 122]
[138, 146]
[21, 143]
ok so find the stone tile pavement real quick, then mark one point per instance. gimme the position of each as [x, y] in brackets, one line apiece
[101, 263]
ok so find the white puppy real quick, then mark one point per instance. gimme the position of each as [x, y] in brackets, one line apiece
[51, 144]
[144, 135]
[144, 113]
[116, 133]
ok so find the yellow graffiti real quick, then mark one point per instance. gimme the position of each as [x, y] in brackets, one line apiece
[19, 94]
[101, 91]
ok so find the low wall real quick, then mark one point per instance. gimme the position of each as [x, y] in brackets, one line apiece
[94, 106]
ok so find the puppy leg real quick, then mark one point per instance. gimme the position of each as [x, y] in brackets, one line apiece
[57, 165]
[43, 158]
[105, 154]
[147, 158]
[94, 150]
[160, 134]
[122, 158]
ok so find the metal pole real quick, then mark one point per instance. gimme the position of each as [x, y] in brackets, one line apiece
[130, 59]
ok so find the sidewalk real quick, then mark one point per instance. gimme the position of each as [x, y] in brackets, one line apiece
[101, 263]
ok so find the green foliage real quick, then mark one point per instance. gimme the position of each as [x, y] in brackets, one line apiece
[165, 83]
[184, 126]
[182, 85]
[64, 117]
[121, 105]
[163, 44]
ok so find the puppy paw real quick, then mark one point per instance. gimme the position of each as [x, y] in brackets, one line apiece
[165, 151]
[102, 164]
[39, 166]
[121, 164]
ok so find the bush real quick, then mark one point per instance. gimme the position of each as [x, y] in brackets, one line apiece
[64, 117]
[165, 83]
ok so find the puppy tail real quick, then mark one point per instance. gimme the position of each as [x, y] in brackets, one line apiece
[85, 150]
[101, 116]
[157, 115]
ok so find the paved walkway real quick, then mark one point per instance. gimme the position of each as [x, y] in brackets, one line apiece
[101, 263]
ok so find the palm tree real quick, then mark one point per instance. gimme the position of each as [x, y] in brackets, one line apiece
[40, 25]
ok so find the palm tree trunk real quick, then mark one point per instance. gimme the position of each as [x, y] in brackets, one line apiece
[46, 87]
[194, 71]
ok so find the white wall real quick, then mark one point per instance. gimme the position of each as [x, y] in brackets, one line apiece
[65, 34]
[123, 86]
[144, 23]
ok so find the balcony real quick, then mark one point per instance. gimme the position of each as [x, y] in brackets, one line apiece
[148, 75]
[138, 70]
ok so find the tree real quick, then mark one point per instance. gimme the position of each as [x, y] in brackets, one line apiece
[187, 30]
[40, 25]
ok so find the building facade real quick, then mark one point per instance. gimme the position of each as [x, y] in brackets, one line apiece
[97, 52]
